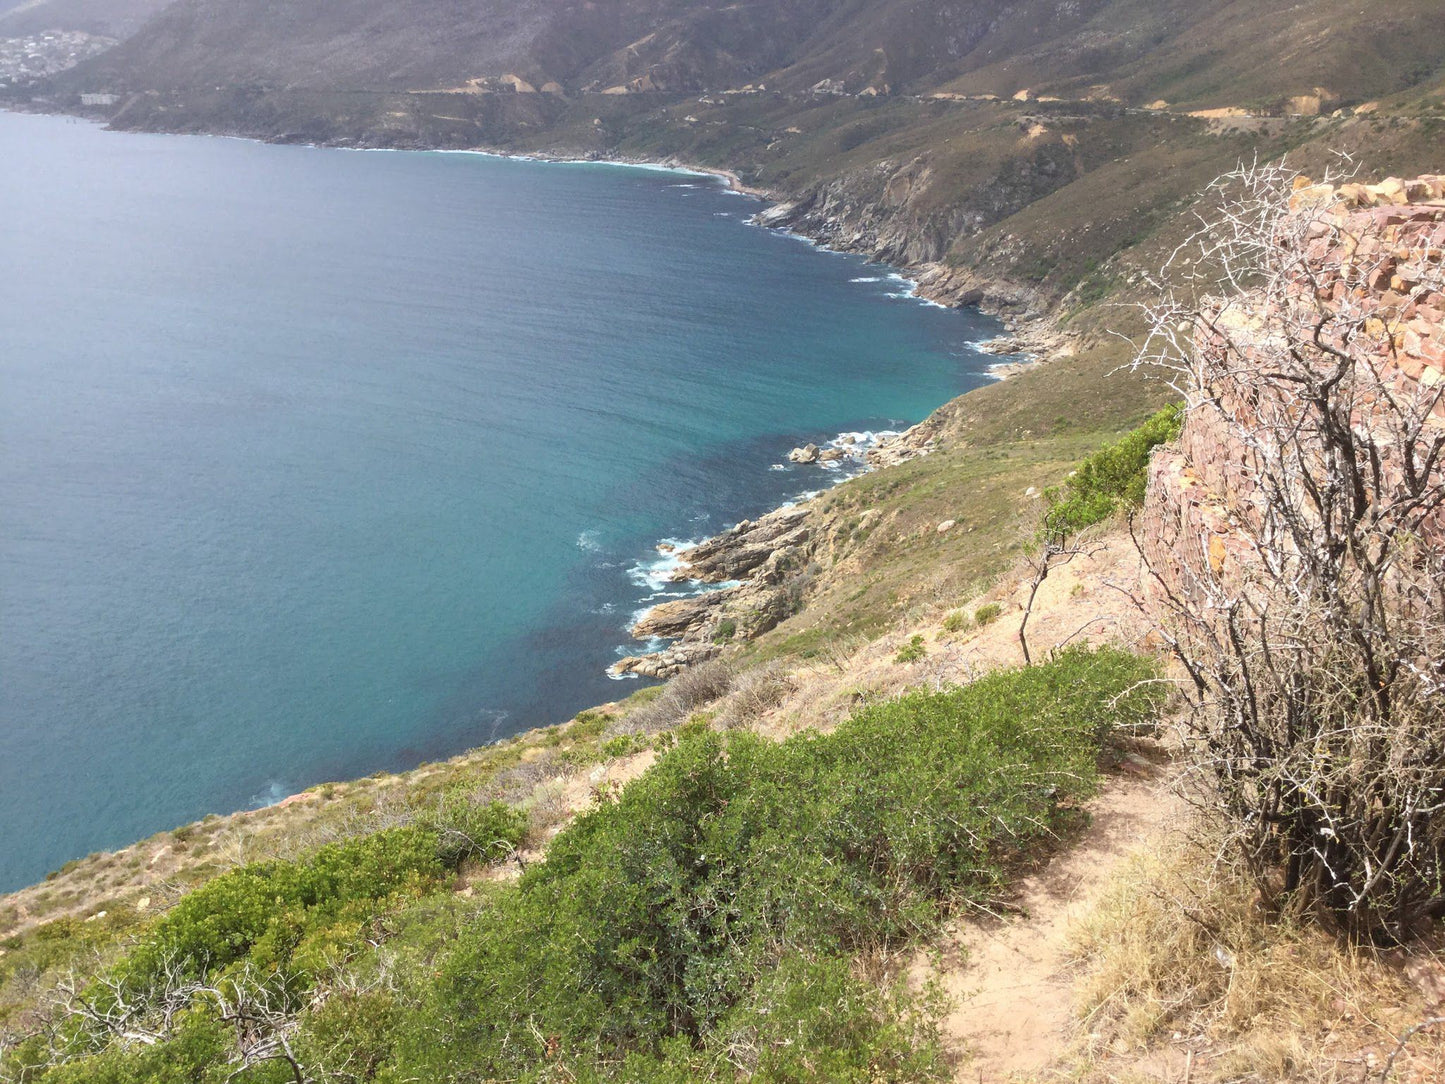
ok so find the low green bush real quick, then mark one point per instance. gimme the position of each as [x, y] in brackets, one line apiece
[1114, 477]
[987, 614]
[486, 832]
[956, 621]
[658, 918]
[912, 651]
[702, 925]
[266, 913]
[624, 745]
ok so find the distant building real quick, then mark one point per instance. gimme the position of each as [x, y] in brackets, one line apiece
[99, 99]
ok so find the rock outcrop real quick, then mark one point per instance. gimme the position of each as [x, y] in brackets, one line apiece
[760, 560]
[741, 550]
[808, 453]
[913, 442]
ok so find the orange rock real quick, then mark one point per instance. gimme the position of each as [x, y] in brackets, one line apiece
[1216, 553]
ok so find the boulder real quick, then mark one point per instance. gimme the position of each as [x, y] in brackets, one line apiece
[663, 664]
[808, 453]
[739, 550]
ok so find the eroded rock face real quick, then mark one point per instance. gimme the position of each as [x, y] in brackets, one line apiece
[741, 549]
[916, 441]
[665, 664]
[681, 616]
[761, 559]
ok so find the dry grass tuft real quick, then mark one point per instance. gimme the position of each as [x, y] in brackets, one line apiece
[1183, 969]
[755, 693]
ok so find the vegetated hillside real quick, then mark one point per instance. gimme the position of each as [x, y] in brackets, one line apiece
[110, 18]
[1054, 208]
[1222, 52]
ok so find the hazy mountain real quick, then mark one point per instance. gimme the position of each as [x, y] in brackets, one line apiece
[111, 18]
[1202, 51]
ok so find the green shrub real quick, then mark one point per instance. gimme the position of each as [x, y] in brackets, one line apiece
[701, 924]
[265, 912]
[956, 621]
[473, 830]
[624, 745]
[195, 1055]
[659, 917]
[587, 724]
[987, 614]
[1114, 477]
[912, 651]
[727, 628]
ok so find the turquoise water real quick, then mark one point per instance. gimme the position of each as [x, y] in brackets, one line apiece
[316, 462]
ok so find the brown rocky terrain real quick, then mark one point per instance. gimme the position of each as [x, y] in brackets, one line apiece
[761, 566]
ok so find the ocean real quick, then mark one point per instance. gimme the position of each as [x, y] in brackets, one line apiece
[315, 463]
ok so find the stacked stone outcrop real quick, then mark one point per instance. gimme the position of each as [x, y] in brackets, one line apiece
[1369, 271]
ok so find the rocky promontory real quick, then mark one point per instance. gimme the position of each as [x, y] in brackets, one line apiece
[761, 562]
[756, 572]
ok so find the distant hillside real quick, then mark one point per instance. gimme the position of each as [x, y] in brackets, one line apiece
[1021, 155]
[110, 18]
[1210, 53]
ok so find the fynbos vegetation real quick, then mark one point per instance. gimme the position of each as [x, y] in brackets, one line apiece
[739, 911]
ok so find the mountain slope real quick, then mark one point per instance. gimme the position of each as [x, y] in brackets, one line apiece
[111, 18]
[1219, 52]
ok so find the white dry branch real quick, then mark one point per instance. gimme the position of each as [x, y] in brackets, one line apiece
[1318, 659]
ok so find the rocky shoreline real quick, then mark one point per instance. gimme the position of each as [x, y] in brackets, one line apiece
[754, 575]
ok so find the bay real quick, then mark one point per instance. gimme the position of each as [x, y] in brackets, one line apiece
[315, 463]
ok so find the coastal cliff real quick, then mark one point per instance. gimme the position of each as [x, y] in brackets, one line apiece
[848, 754]
[689, 883]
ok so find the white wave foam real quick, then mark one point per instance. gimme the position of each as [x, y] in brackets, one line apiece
[587, 540]
[806, 495]
[273, 792]
[867, 278]
[911, 293]
[656, 574]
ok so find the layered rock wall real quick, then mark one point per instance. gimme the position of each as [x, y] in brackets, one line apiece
[1370, 273]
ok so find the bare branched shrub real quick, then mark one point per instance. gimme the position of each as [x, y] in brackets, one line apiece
[1312, 621]
[755, 693]
[701, 684]
[260, 1012]
[695, 687]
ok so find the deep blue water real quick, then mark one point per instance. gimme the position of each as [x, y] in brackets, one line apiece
[316, 462]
